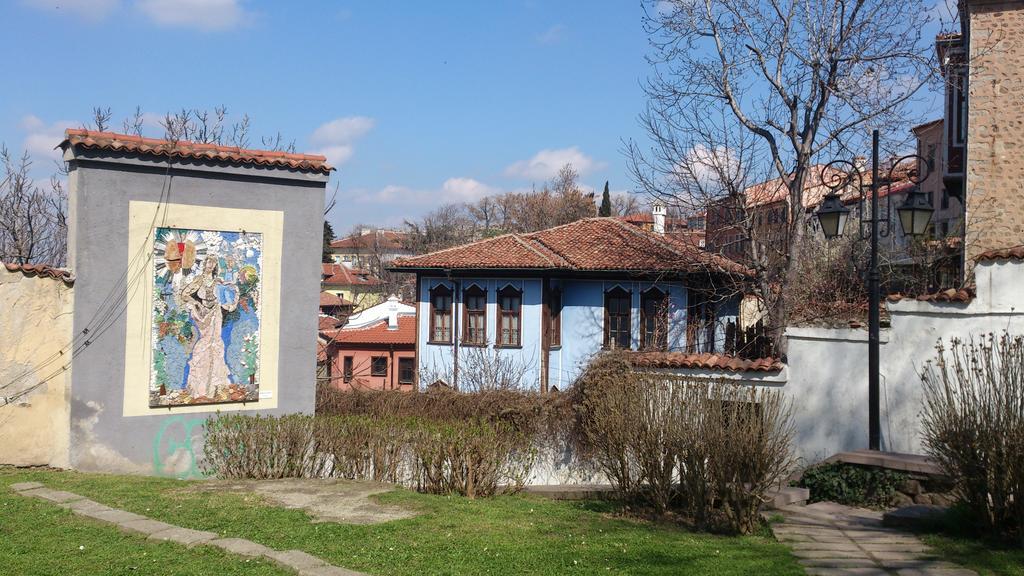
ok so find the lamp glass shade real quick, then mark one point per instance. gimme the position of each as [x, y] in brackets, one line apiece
[915, 214]
[832, 216]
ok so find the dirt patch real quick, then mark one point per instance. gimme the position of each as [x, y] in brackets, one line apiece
[343, 501]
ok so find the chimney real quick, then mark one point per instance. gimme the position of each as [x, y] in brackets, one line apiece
[658, 210]
[393, 312]
[861, 162]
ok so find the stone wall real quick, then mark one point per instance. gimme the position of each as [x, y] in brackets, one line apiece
[995, 132]
[35, 321]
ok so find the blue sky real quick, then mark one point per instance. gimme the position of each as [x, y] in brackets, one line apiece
[416, 103]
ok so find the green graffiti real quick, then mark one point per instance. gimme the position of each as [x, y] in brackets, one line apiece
[173, 446]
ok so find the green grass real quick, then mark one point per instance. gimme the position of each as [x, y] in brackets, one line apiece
[40, 538]
[451, 535]
[983, 558]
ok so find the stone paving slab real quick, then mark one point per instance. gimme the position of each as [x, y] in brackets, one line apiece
[302, 563]
[144, 526]
[833, 540]
[295, 559]
[240, 546]
[185, 536]
[56, 496]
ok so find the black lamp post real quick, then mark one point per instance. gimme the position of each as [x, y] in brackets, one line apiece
[915, 212]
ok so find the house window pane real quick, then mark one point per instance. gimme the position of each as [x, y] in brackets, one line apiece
[509, 310]
[441, 315]
[406, 370]
[654, 320]
[379, 366]
[475, 304]
[347, 371]
[617, 324]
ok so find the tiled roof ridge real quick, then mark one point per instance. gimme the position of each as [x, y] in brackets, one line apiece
[704, 360]
[43, 270]
[530, 246]
[949, 295]
[93, 139]
[481, 241]
[1008, 253]
[375, 324]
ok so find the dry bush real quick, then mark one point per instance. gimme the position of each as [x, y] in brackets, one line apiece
[527, 412]
[703, 447]
[472, 457]
[973, 425]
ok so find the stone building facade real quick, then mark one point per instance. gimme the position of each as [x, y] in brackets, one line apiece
[993, 41]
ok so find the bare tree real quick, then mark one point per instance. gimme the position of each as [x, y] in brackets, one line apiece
[33, 220]
[771, 86]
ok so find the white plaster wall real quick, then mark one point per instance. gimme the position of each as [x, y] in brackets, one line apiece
[827, 368]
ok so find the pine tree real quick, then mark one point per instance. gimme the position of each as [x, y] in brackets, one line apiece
[606, 202]
[328, 238]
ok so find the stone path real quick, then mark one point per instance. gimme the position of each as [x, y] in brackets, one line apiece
[831, 539]
[302, 563]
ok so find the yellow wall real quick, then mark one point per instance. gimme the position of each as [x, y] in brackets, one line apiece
[35, 323]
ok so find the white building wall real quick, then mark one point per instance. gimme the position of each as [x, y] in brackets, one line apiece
[828, 368]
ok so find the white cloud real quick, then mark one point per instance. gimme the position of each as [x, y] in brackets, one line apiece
[545, 164]
[335, 139]
[457, 189]
[465, 190]
[552, 35]
[93, 10]
[41, 139]
[201, 14]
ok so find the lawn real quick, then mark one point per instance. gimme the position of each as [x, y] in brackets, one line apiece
[451, 535]
[985, 559]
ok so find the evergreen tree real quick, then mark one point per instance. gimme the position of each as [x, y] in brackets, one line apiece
[328, 238]
[606, 202]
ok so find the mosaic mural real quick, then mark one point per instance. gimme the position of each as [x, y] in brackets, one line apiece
[206, 317]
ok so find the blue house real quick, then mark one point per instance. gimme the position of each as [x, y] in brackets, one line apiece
[547, 301]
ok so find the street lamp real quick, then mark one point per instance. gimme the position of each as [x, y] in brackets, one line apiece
[915, 212]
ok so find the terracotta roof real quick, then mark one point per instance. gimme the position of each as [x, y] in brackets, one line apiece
[380, 239]
[341, 275]
[43, 270]
[1012, 253]
[705, 361]
[328, 299]
[93, 140]
[591, 244]
[376, 333]
[953, 295]
[328, 323]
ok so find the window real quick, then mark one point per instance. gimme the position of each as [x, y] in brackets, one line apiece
[616, 319]
[406, 370]
[474, 305]
[441, 315]
[347, 369]
[654, 320]
[555, 310]
[323, 372]
[379, 366]
[510, 303]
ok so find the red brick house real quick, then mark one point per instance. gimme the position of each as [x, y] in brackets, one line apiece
[375, 350]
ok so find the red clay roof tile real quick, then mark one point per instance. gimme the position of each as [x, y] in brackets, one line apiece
[380, 239]
[707, 361]
[952, 295]
[93, 140]
[43, 270]
[591, 244]
[1012, 253]
[341, 275]
[376, 333]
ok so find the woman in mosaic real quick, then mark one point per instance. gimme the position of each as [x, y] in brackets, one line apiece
[206, 298]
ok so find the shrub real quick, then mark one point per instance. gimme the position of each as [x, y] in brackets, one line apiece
[472, 457]
[973, 426]
[851, 485]
[702, 446]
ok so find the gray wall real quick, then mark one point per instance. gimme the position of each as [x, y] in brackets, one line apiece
[101, 186]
